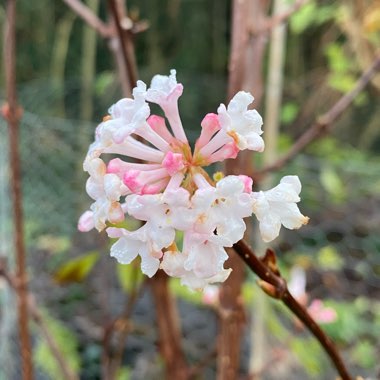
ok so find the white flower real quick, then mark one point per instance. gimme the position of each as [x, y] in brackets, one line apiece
[278, 206]
[142, 242]
[173, 263]
[241, 124]
[165, 91]
[205, 256]
[86, 221]
[163, 87]
[232, 205]
[106, 190]
[169, 192]
[220, 210]
[127, 116]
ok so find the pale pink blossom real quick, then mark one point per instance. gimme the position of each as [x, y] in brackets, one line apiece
[321, 313]
[211, 295]
[86, 221]
[170, 192]
[279, 206]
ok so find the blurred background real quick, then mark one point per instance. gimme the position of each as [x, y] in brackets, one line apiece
[66, 82]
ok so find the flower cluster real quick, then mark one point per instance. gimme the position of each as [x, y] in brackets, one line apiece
[160, 181]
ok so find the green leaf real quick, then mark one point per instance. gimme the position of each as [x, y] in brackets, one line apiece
[303, 18]
[310, 358]
[337, 60]
[53, 244]
[184, 292]
[365, 354]
[289, 112]
[67, 344]
[328, 258]
[76, 270]
[312, 14]
[332, 183]
[129, 276]
[103, 81]
[123, 373]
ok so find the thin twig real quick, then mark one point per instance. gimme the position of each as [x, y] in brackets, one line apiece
[15, 284]
[125, 42]
[280, 18]
[90, 17]
[124, 325]
[169, 331]
[12, 113]
[324, 123]
[206, 359]
[278, 285]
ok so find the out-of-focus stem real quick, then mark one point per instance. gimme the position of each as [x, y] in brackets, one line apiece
[167, 316]
[325, 122]
[125, 41]
[12, 113]
[168, 328]
[58, 61]
[88, 63]
[273, 96]
[38, 319]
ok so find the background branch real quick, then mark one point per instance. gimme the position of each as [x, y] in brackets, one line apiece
[125, 39]
[90, 17]
[12, 113]
[168, 324]
[324, 123]
[280, 18]
[35, 313]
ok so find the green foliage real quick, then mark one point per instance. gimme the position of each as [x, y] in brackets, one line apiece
[129, 276]
[365, 354]
[184, 292]
[346, 328]
[124, 373]
[103, 81]
[328, 258]
[284, 142]
[311, 14]
[337, 59]
[289, 112]
[342, 71]
[311, 357]
[76, 270]
[53, 244]
[67, 344]
[276, 327]
[332, 183]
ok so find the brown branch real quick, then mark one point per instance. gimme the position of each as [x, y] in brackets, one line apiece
[197, 369]
[324, 123]
[126, 43]
[239, 39]
[123, 325]
[12, 113]
[15, 284]
[276, 286]
[281, 18]
[168, 328]
[90, 17]
[245, 63]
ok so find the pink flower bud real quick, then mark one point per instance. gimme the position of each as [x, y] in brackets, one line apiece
[210, 125]
[248, 182]
[173, 162]
[86, 221]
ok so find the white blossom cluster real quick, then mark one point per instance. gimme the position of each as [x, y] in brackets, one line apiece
[161, 183]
